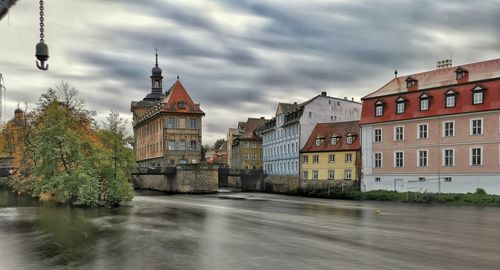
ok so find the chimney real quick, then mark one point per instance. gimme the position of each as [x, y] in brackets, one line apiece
[295, 103]
[262, 118]
[323, 93]
[352, 99]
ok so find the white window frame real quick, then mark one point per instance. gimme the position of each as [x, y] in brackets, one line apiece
[380, 129]
[331, 174]
[449, 97]
[443, 162]
[444, 128]
[424, 100]
[471, 129]
[348, 172]
[305, 159]
[375, 159]
[305, 174]
[477, 93]
[403, 159]
[349, 139]
[315, 159]
[315, 174]
[348, 160]
[426, 158]
[379, 109]
[426, 131]
[400, 107]
[402, 133]
[331, 158]
[481, 156]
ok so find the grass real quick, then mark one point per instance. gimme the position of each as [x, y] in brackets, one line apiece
[477, 198]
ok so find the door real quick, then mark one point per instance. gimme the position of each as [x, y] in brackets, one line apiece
[399, 185]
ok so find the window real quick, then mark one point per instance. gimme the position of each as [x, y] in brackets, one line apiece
[348, 157]
[193, 145]
[478, 95]
[171, 145]
[254, 156]
[349, 139]
[422, 131]
[348, 174]
[193, 123]
[305, 175]
[377, 160]
[319, 141]
[421, 179]
[476, 156]
[315, 174]
[449, 129]
[448, 157]
[400, 105]
[331, 158]
[310, 114]
[447, 179]
[377, 135]
[424, 102]
[399, 133]
[476, 126]
[171, 123]
[254, 144]
[305, 159]
[422, 158]
[450, 99]
[331, 174]
[379, 108]
[335, 140]
[181, 105]
[410, 82]
[377, 179]
[315, 159]
[246, 156]
[399, 159]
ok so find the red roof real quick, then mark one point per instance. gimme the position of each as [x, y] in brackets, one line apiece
[435, 84]
[440, 77]
[179, 101]
[326, 131]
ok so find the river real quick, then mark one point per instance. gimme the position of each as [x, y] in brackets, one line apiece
[246, 231]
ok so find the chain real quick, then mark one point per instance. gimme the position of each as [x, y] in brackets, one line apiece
[42, 24]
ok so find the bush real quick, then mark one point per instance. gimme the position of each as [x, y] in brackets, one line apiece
[480, 191]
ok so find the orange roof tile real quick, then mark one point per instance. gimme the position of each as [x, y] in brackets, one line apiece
[179, 101]
[327, 130]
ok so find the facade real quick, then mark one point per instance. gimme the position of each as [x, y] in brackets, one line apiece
[167, 126]
[246, 149]
[332, 152]
[231, 134]
[436, 131]
[285, 134]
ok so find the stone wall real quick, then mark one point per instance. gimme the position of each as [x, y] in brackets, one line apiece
[185, 179]
[281, 184]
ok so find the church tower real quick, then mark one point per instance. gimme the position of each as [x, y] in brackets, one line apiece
[156, 77]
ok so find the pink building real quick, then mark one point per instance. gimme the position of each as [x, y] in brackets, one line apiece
[435, 131]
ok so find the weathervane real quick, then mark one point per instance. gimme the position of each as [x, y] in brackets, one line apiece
[42, 50]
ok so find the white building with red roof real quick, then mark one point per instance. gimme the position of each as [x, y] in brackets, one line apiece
[435, 131]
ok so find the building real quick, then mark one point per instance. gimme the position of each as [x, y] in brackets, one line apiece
[284, 135]
[332, 152]
[167, 126]
[246, 149]
[231, 134]
[435, 131]
[220, 156]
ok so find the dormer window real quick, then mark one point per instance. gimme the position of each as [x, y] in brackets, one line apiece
[182, 105]
[319, 141]
[461, 73]
[450, 99]
[350, 138]
[410, 82]
[424, 102]
[478, 95]
[400, 105]
[335, 139]
[379, 108]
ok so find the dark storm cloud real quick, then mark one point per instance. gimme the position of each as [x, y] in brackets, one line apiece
[287, 52]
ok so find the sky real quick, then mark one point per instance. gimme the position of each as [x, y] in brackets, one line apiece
[237, 58]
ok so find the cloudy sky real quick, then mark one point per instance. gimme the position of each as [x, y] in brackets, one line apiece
[238, 58]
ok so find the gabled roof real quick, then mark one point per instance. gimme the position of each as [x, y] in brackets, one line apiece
[250, 127]
[440, 77]
[286, 107]
[179, 101]
[327, 130]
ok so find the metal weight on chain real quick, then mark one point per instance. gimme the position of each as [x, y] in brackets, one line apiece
[42, 50]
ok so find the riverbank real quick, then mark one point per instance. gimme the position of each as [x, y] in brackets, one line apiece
[479, 198]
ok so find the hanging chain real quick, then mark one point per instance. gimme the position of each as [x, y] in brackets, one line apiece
[42, 24]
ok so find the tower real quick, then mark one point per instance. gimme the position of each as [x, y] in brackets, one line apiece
[156, 77]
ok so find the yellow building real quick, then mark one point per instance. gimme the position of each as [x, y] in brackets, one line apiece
[332, 152]
[246, 147]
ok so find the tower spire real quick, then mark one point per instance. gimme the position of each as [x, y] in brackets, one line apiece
[156, 53]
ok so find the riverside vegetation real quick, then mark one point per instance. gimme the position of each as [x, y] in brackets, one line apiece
[61, 154]
[480, 197]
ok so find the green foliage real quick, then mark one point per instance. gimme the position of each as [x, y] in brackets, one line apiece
[70, 159]
[480, 191]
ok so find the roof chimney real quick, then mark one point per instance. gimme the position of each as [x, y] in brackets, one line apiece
[323, 93]
[295, 103]
[352, 99]
[262, 118]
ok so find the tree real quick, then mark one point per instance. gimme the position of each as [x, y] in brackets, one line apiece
[60, 154]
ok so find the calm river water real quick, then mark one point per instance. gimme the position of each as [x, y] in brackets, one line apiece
[247, 231]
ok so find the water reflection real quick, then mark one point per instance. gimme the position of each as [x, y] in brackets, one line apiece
[257, 231]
